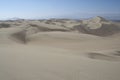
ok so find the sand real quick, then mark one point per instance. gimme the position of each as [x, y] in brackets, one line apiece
[47, 51]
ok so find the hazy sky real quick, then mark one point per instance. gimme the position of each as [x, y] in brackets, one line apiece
[59, 8]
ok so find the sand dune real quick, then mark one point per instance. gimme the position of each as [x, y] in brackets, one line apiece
[60, 49]
[98, 26]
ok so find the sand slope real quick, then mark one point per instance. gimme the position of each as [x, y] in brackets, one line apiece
[53, 50]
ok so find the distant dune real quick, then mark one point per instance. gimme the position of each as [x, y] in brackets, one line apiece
[98, 26]
[60, 49]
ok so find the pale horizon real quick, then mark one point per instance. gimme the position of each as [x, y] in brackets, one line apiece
[73, 9]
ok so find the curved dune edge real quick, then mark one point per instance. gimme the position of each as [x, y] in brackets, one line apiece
[101, 56]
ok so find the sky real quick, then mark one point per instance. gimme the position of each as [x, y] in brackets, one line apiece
[42, 9]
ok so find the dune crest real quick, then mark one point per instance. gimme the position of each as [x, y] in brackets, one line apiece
[98, 26]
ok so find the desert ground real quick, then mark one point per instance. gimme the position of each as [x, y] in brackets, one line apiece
[60, 49]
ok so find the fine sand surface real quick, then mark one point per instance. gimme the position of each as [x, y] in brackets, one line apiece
[60, 49]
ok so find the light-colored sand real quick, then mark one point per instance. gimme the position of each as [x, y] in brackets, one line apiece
[47, 51]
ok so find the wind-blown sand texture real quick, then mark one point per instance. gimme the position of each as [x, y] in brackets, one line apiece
[60, 49]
